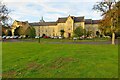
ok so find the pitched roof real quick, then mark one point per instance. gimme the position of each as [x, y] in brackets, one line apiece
[79, 19]
[21, 21]
[62, 20]
[88, 21]
[76, 19]
[34, 24]
[43, 23]
[47, 23]
[95, 21]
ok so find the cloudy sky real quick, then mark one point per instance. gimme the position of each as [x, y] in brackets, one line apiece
[33, 10]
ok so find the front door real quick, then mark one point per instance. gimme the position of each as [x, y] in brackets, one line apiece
[69, 35]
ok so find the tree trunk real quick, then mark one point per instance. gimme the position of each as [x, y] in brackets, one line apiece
[113, 38]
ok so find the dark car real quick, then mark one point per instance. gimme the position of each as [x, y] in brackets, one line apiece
[45, 37]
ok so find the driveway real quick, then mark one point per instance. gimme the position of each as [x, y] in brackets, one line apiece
[57, 42]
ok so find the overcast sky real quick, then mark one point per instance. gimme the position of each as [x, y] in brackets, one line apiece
[33, 10]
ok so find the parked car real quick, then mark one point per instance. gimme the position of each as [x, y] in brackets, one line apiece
[55, 37]
[89, 37]
[46, 37]
[60, 37]
[75, 38]
[23, 36]
[3, 37]
[36, 37]
[11, 37]
[51, 37]
[7, 37]
[15, 37]
[107, 37]
[20, 37]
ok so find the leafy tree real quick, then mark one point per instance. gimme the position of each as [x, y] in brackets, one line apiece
[89, 33]
[32, 32]
[79, 31]
[62, 32]
[3, 34]
[109, 9]
[84, 32]
[97, 33]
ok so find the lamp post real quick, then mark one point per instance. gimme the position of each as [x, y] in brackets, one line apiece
[39, 35]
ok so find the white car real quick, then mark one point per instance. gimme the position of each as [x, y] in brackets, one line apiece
[7, 37]
[52, 37]
[11, 37]
[75, 38]
[55, 37]
[107, 37]
[36, 37]
[89, 37]
[4, 37]
[15, 37]
[20, 37]
[60, 37]
[24, 36]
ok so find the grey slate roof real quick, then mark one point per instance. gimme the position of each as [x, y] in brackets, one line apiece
[61, 20]
[34, 24]
[95, 21]
[88, 21]
[43, 23]
[47, 23]
[76, 19]
[79, 19]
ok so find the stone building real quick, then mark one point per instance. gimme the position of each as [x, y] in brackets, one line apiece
[23, 25]
[68, 24]
[92, 26]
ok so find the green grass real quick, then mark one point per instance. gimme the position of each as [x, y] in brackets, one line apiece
[33, 60]
[0, 59]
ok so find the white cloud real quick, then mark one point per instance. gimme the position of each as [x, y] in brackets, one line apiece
[33, 10]
[50, 0]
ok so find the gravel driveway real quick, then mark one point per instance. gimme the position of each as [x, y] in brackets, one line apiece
[74, 42]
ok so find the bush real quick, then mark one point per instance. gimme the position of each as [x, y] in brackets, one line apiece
[97, 33]
[32, 32]
[79, 31]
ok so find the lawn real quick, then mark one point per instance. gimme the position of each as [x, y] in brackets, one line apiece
[34, 60]
[48, 40]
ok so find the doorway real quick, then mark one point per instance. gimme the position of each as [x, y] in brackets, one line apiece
[69, 35]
